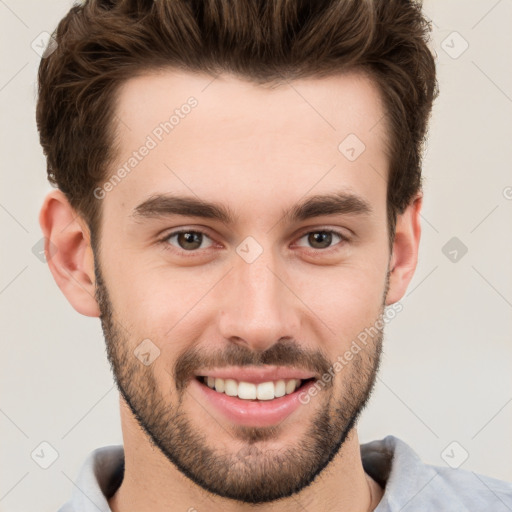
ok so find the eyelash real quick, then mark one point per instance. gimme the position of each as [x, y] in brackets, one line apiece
[167, 246]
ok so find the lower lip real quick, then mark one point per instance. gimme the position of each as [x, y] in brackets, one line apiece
[261, 413]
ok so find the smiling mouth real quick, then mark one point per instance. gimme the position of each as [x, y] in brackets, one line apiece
[249, 391]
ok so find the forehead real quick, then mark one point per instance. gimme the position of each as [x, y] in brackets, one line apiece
[225, 137]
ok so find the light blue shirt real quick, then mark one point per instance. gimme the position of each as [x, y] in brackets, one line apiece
[409, 484]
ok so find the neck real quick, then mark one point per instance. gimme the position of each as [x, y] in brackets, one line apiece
[152, 483]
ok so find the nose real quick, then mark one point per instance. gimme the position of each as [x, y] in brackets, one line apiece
[257, 307]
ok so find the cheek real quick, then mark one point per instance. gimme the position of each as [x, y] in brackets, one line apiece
[348, 299]
[160, 304]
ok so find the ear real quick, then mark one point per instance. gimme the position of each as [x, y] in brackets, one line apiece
[68, 252]
[405, 250]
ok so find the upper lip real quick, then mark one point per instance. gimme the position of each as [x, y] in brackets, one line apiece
[256, 375]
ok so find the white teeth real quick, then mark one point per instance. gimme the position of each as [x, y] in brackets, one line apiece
[279, 388]
[249, 391]
[265, 391]
[219, 385]
[246, 390]
[230, 387]
[290, 386]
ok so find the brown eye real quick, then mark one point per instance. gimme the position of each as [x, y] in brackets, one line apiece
[322, 239]
[187, 240]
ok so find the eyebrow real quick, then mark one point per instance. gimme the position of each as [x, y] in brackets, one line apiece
[164, 205]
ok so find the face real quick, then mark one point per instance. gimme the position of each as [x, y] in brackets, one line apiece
[240, 257]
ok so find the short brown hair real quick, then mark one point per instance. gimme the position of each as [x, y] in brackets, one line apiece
[103, 43]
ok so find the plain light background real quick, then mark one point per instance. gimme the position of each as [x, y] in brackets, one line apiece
[446, 374]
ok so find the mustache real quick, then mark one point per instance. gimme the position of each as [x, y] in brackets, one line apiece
[284, 353]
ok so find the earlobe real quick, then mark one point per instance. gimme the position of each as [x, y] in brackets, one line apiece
[69, 253]
[404, 257]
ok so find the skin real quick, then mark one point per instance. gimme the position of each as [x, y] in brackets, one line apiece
[257, 150]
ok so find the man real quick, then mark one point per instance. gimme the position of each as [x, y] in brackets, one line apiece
[239, 196]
